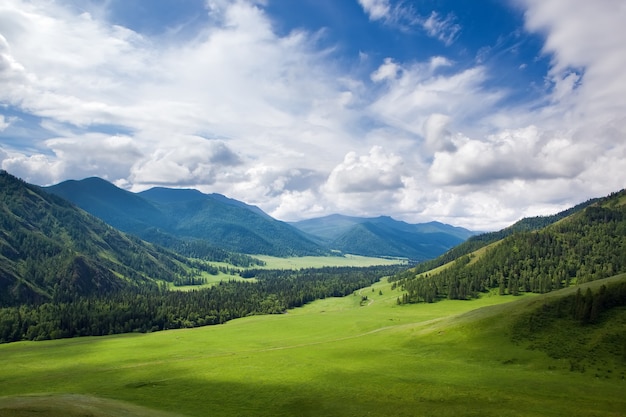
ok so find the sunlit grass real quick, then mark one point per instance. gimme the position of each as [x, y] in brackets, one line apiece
[322, 261]
[333, 357]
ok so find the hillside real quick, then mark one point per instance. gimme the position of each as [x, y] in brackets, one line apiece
[188, 221]
[384, 236]
[588, 244]
[479, 241]
[51, 250]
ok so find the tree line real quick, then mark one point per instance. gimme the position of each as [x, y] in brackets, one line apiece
[152, 308]
[584, 307]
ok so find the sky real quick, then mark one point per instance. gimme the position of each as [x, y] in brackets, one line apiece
[472, 113]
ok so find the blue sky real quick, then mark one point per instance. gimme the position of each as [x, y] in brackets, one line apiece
[471, 113]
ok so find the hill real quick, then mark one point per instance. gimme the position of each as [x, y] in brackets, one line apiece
[588, 244]
[51, 250]
[188, 221]
[384, 236]
[482, 240]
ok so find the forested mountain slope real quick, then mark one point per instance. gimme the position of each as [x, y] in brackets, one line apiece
[478, 241]
[229, 223]
[50, 249]
[188, 221]
[587, 245]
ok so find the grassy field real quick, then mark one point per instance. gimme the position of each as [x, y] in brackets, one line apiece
[272, 262]
[334, 357]
[322, 261]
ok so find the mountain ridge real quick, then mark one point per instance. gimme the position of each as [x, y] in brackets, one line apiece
[371, 236]
[183, 218]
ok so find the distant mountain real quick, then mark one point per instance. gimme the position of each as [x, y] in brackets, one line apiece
[195, 224]
[49, 249]
[384, 236]
[180, 218]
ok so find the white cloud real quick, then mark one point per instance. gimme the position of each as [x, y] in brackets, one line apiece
[187, 160]
[236, 80]
[38, 169]
[377, 171]
[444, 29]
[376, 9]
[418, 91]
[437, 134]
[387, 71]
[520, 154]
[404, 16]
[110, 157]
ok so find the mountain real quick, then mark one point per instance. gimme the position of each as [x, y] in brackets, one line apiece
[384, 236]
[229, 223]
[50, 249]
[120, 208]
[586, 245]
[188, 221]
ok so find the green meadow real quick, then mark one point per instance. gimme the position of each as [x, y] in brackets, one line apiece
[334, 357]
[273, 262]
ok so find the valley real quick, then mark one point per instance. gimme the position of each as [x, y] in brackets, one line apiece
[528, 321]
[332, 357]
[279, 208]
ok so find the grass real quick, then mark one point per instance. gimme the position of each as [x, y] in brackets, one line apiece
[272, 262]
[334, 357]
[322, 261]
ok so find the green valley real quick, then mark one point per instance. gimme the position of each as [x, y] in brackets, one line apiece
[530, 323]
[333, 357]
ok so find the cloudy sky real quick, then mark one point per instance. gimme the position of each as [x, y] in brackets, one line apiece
[473, 113]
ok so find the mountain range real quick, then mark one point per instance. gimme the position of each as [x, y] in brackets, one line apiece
[187, 220]
[383, 235]
[184, 217]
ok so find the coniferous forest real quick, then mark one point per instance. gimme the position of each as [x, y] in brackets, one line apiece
[152, 308]
[586, 246]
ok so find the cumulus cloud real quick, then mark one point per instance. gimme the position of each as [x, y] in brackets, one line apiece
[376, 9]
[437, 134]
[374, 172]
[188, 160]
[520, 154]
[237, 80]
[38, 169]
[93, 154]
